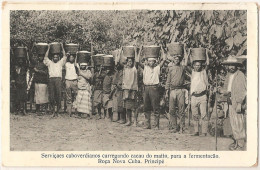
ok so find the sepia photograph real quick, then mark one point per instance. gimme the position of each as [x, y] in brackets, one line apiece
[129, 80]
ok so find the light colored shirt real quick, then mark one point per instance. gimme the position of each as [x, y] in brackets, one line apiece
[231, 77]
[199, 81]
[55, 69]
[70, 71]
[151, 75]
[130, 79]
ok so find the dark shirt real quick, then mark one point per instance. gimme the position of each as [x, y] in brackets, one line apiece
[118, 79]
[41, 77]
[175, 77]
[107, 83]
[19, 75]
[98, 81]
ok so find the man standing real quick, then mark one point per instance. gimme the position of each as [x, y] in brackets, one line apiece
[176, 92]
[198, 92]
[55, 77]
[235, 89]
[151, 74]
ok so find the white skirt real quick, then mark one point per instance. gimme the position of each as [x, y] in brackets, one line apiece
[41, 93]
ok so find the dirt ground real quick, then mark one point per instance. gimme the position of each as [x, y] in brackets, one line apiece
[64, 133]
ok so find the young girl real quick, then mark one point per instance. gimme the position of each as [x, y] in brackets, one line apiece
[83, 100]
[41, 85]
[130, 88]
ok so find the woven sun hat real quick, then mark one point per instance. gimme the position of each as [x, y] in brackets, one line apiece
[231, 60]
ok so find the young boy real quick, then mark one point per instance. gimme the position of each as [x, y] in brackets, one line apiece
[151, 76]
[55, 79]
[107, 85]
[118, 95]
[83, 100]
[20, 84]
[98, 81]
[130, 87]
[41, 85]
[71, 82]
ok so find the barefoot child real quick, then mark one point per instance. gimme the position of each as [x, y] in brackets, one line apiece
[107, 97]
[130, 87]
[20, 84]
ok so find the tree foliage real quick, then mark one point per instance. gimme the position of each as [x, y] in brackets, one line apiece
[219, 31]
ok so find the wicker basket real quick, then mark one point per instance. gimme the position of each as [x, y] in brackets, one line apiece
[198, 54]
[71, 48]
[98, 59]
[41, 48]
[20, 52]
[151, 51]
[55, 48]
[83, 56]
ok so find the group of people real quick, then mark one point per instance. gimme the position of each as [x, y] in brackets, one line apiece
[114, 89]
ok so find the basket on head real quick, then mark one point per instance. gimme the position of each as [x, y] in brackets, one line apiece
[108, 60]
[20, 52]
[128, 51]
[98, 59]
[83, 56]
[175, 49]
[71, 48]
[55, 48]
[198, 54]
[41, 48]
[152, 51]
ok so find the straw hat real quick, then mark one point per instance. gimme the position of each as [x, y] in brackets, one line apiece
[231, 60]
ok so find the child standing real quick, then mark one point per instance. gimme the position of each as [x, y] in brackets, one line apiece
[130, 87]
[55, 79]
[20, 84]
[107, 85]
[83, 100]
[41, 85]
[71, 82]
[98, 81]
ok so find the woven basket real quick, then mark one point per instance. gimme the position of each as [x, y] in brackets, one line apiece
[71, 48]
[55, 48]
[198, 54]
[151, 51]
[41, 48]
[20, 52]
[83, 57]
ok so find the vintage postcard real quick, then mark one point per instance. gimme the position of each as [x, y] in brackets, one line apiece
[117, 84]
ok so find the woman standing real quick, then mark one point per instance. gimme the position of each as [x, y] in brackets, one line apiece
[83, 100]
